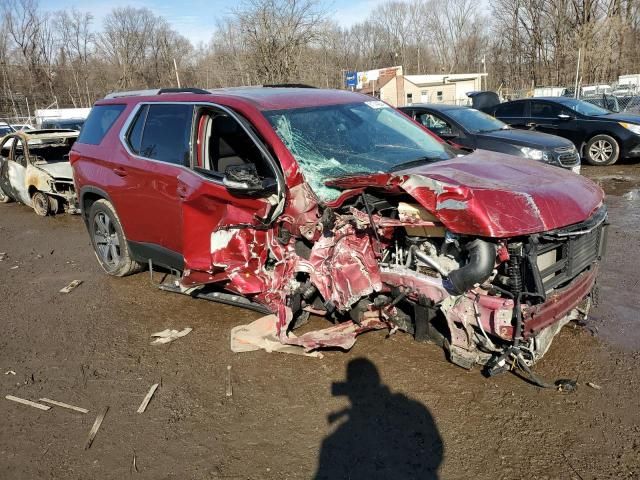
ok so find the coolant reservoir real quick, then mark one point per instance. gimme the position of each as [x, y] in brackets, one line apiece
[408, 212]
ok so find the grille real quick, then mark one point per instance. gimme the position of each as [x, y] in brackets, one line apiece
[567, 156]
[561, 261]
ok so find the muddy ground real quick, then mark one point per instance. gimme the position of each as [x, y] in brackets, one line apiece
[286, 419]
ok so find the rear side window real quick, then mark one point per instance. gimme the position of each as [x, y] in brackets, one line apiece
[509, 109]
[165, 133]
[98, 123]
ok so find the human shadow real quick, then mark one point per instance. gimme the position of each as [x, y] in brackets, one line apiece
[385, 435]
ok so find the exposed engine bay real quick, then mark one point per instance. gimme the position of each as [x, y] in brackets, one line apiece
[385, 262]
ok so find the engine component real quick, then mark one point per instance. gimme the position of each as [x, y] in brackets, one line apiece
[482, 258]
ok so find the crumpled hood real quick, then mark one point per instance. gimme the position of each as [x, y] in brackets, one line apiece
[58, 170]
[491, 194]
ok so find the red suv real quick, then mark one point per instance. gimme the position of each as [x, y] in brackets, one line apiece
[296, 200]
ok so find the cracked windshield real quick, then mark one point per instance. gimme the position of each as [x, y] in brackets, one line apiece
[357, 138]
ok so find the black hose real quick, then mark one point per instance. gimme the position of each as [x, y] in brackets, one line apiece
[482, 259]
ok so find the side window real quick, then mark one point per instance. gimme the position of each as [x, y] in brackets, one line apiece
[510, 109]
[19, 152]
[436, 124]
[98, 123]
[134, 135]
[166, 133]
[545, 110]
[223, 143]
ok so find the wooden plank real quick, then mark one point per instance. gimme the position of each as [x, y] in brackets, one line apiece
[64, 405]
[96, 426]
[27, 402]
[71, 286]
[147, 399]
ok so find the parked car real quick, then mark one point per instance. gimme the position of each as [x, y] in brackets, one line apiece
[5, 129]
[471, 128]
[290, 200]
[35, 170]
[602, 137]
[62, 123]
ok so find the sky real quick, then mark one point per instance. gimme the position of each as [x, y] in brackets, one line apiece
[196, 19]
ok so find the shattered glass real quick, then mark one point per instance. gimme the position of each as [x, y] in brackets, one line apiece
[360, 138]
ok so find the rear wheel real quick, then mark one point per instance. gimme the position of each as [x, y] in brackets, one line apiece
[109, 242]
[602, 150]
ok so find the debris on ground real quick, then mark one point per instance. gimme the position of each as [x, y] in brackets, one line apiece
[168, 335]
[14, 267]
[27, 402]
[96, 426]
[64, 405]
[566, 385]
[147, 398]
[9, 372]
[262, 334]
[3, 256]
[229, 387]
[71, 286]
[594, 385]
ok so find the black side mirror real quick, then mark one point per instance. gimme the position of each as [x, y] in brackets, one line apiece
[564, 117]
[244, 180]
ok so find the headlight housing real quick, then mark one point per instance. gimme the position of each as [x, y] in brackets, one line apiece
[534, 153]
[631, 126]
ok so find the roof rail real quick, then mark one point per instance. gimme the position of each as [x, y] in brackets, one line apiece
[288, 85]
[154, 91]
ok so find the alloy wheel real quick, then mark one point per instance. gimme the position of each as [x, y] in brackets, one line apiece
[106, 240]
[600, 151]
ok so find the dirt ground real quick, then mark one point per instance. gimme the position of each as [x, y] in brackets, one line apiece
[293, 417]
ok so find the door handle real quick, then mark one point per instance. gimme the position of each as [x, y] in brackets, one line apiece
[121, 172]
[181, 191]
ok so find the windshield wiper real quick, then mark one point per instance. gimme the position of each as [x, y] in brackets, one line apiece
[414, 163]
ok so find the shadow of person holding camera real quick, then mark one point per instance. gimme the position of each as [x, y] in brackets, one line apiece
[384, 435]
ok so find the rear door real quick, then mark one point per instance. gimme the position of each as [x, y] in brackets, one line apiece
[148, 199]
[513, 113]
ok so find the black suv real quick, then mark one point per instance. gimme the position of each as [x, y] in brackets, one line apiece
[471, 128]
[602, 136]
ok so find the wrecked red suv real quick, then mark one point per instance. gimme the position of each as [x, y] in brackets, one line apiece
[293, 200]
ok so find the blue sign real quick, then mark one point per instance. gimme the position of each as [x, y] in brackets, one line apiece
[351, 79]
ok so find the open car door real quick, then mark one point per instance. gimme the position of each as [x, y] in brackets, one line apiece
[227, 198]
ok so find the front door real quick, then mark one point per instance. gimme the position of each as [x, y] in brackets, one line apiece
[222, 232]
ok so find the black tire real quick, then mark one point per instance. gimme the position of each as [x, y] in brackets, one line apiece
[42, 205]
[109, 242]
[601, 150]
[4, 198]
